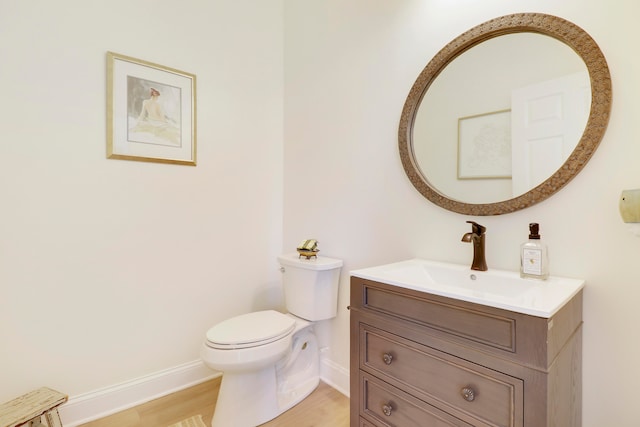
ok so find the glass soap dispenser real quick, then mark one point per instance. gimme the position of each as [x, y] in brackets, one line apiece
[534, 257]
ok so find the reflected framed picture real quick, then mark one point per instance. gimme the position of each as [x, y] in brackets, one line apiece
[484, 146]
[151, 112]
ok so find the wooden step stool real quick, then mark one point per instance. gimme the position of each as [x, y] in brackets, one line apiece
[29, 408]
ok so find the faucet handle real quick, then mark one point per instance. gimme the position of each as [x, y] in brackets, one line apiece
[477, 228]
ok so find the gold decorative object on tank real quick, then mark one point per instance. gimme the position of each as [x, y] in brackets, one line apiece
[308, 248]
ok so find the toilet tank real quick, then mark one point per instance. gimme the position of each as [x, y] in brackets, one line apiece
[310, 285]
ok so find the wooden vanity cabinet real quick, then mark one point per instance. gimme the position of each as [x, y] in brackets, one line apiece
[422, 360]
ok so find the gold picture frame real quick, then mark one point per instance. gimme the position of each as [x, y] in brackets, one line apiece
[151, 112]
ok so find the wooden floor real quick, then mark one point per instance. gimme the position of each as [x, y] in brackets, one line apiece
[325, 407]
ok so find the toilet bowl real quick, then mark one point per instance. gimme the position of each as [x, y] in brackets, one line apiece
[250, 341]
[270, 360]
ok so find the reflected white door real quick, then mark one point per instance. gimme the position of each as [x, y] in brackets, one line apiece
[547, 121]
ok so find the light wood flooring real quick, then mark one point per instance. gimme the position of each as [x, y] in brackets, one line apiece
[325, 407]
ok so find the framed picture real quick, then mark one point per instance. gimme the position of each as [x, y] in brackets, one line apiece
[484, 146]
[151, 112]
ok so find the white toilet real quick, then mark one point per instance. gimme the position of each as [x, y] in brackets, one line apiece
[270, 360]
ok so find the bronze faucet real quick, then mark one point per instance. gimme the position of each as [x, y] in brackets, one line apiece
[477, 238]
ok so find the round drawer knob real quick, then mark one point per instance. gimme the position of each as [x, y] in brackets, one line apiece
[468, 394]
[386, 409]
[387, 358]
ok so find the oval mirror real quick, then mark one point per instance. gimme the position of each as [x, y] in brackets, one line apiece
[505, 115]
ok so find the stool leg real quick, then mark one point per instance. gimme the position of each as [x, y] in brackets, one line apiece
[36, 422]
[53, 418]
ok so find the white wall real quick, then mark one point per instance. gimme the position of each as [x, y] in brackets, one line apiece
[110, 269]
[348, 68]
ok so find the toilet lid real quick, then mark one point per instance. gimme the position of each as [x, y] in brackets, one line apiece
[250, 330]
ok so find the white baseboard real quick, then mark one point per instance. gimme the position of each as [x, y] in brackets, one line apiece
[109, 400]
[335, 375]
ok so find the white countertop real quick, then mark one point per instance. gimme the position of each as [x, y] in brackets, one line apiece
[494, 288]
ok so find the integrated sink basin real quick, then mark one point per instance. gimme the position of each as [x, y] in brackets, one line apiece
[494, 288]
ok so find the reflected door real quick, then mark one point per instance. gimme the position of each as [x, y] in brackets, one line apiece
[547, 121]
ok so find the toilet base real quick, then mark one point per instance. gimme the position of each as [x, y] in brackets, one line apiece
[248, 399]
[242, 400]
[299, 374]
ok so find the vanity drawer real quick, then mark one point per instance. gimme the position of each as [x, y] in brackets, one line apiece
[491, 396]
[365, 423]
[388, 406]
[486, 328]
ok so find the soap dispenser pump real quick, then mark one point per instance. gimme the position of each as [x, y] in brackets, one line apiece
[534, 256]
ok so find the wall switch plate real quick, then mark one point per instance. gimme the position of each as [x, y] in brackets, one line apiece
[630, 206]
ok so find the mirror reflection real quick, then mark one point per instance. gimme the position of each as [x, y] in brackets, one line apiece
[505, 115]
[502, 117]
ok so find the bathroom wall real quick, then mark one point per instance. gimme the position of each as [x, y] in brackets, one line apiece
[348, 68]
[111, 270]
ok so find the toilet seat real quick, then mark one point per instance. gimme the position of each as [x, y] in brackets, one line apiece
[250, 330]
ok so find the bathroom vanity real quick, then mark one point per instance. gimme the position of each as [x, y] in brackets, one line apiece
[436, 344]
